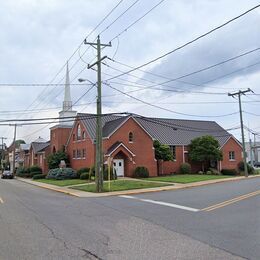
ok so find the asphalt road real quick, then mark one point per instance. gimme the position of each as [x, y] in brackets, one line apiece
[40, 224]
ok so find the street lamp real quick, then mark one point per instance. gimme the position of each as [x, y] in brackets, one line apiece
[98, 143]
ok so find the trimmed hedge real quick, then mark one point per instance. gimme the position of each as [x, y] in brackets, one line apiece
[35, 168]
[229, 172]
[185, 168]
[84, 176]
[82, 170]
[141, 172]
[39, 176]
[61, 174]
[241, 167]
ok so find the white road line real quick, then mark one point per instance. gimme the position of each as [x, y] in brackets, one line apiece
[161, 203]
[1, 200]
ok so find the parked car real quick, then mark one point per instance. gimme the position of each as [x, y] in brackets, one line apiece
[7, 175]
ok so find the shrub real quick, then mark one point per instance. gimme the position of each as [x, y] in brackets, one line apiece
[241, 167]
[61, 174]
[24, 174]
[31, 174]
[229, 172]
[35, 168]
[141, 172]
[200, 172]
[208, 172]
[39, 176]
[85, 176]
[22, 170]
[185, 168]
[214, 171]
[82, 170]
[113, 175]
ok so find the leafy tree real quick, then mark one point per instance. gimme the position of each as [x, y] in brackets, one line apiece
[162, 153]
[205, 149]
[54, 159]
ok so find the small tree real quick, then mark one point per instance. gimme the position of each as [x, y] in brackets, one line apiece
[162, 153]
[205, 149]
[54, 159]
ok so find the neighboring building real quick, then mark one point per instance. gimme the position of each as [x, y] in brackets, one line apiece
[37, 154]
[253, 151]
[23, 150]
[128, 142]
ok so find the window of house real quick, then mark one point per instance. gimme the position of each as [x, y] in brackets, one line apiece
[173, 151]
[73, 137]
[83, 135]
[78, 154]
[84, 153]
[130, 137]
[231, 156]
[74, 154]
[78, 132]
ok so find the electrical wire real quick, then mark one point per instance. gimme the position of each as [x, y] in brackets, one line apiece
[165, 109]
[188, 43]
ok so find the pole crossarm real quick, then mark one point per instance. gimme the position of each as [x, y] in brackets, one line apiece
[239, 93]
[99, 145]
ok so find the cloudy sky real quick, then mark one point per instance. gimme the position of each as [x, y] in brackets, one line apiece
[38, 37]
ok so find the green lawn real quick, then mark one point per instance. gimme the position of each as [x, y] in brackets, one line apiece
[187, 178]
[120, 185]
[63, 183]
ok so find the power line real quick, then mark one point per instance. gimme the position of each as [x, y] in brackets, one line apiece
[136, 21]
[188, 43]
[166, 109]
[191, 73]
[109, 13]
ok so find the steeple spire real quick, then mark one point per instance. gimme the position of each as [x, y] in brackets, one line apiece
[67, 104]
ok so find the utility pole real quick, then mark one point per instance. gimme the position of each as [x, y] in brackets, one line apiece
[13, 163]
[239, 93]
[2, 157]
[99, 149]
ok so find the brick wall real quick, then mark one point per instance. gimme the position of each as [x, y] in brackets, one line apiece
[231, 145]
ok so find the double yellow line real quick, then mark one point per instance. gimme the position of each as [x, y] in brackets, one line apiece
[231, 201]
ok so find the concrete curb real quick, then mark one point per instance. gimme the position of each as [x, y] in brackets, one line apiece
[174, 186]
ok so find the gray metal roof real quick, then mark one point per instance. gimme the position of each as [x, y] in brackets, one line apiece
[109, 123]
[167, 131]
[39, 147]
[181, 132]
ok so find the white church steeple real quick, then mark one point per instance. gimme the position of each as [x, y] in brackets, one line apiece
[67, 103]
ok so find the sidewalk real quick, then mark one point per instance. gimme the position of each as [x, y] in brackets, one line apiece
[174, 186]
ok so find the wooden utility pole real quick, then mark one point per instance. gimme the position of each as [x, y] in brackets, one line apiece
[2, 152]
[13, 163]
[99, 149]
[239, 93]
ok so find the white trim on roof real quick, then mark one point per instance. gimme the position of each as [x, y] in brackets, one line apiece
[121, 144]
[231, 136]
[126, 119]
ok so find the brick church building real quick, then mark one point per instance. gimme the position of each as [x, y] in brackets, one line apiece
[128, 140]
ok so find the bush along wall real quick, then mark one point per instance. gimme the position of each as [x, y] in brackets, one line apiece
[141, 172]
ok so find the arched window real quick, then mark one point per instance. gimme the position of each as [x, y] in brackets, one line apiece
[78, 132]
[130, 137]
[83, 135]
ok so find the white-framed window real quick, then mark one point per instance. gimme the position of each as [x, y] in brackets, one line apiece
[74, 154]
[84, 153]
[84, 135]
[78, 154]
[231, 155]
[130, 137]
[173, 150]
[78, 132]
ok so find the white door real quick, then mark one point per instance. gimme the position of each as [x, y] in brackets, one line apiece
[119, 167]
